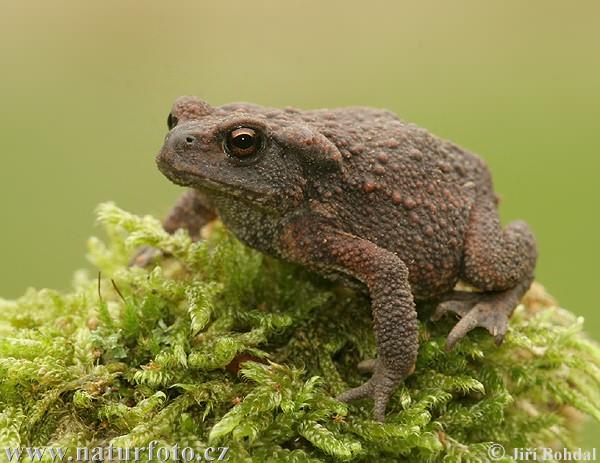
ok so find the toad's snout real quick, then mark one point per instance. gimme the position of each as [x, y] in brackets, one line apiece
[181, 141]
[179, 154]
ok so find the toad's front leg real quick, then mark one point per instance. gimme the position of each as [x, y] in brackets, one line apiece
[324, 249]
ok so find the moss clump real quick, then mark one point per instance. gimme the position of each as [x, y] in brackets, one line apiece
[219, 345]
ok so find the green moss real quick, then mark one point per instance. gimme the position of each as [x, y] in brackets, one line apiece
[153, 354]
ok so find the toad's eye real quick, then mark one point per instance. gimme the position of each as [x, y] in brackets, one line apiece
[171, 121]
[243, 142]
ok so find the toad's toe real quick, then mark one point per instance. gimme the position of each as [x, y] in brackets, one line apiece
[380, 387]
[483, 315]
[457, 302]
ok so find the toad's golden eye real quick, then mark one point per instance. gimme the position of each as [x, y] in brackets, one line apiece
[243, 142]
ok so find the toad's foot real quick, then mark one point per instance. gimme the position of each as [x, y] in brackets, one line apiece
[380, 387]
[490, 310]
[145, 256]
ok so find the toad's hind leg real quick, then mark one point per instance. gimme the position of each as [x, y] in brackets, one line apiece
[499, 262]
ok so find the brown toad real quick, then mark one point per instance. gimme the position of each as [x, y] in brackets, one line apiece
[359, 196]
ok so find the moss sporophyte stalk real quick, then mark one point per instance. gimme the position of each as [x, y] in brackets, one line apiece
[219, 345]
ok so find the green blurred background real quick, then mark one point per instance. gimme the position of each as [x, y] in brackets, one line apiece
[85, 88]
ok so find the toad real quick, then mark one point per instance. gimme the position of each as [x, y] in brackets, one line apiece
[358, 196]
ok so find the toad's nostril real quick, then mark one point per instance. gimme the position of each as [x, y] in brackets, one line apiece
[180, 140]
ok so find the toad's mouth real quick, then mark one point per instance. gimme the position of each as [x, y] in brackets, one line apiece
[216, 187]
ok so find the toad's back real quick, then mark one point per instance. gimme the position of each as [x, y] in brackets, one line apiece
[403, 189]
